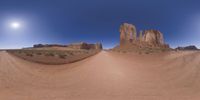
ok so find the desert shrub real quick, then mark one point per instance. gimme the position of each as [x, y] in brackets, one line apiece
[124, 51]
[19, 52]
[71, 53]
[163, 50]
[150, 51]
[39, 53]
[29, 54]
[79, 52]
[62, 56]
[49, 54]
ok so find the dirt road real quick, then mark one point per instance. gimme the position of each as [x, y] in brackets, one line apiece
[105, 76]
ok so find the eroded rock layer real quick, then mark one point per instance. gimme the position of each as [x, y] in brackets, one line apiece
[147, 38]
[127, 33]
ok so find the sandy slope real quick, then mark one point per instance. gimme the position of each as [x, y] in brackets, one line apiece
[105, 76]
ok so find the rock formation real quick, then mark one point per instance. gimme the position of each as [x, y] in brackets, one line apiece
[191, 47]
[148, 38]
[140, 36]
[84, 45]
[48, 45]
[153, 37]
[81, 45]
[98, 46]
[127, 33]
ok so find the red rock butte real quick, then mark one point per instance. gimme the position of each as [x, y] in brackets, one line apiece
[147, 38]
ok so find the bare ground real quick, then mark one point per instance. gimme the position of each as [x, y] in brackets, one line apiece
[53, 56]
[105, 76]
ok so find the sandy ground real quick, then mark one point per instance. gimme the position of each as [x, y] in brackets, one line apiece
[53, 57]
[105, 76]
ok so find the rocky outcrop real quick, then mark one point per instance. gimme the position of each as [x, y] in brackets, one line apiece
[98, 46]
[141, 36]
[127, 34]
[153, 37]
[147, 38]
[84, 45]
[191, 47]
[81, 45]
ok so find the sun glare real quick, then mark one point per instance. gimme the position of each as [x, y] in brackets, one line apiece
[15, 25]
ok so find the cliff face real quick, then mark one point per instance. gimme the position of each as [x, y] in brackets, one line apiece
[127, 33]
[147, 38]
[87, 46]
[153, 37]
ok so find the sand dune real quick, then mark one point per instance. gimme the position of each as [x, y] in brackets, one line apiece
[105, 76]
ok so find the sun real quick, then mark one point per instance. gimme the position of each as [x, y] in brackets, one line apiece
[15, 25]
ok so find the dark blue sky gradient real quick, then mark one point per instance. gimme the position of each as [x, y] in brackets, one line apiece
[67, 21]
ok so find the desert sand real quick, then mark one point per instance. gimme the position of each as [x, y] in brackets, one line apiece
[53, 56]
[104, 76]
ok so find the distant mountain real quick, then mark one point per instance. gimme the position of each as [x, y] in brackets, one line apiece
[191, 47]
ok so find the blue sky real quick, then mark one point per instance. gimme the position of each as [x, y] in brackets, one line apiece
[67, 21]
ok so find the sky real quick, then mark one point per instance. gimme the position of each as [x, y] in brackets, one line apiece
[69, 21]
